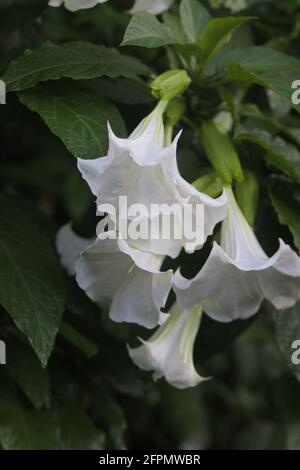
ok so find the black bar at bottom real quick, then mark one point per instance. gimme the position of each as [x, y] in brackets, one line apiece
[135, 459]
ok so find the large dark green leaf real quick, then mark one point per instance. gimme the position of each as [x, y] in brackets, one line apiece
[76, 115]
[219, 32]
[145, 30]
[31, 281]
[279, 153]
[194, 18]
[263, 66]
[76, 60]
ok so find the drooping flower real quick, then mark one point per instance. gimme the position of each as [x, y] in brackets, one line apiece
[74, 5]
[144, 170]
[69, 246]
[152, 6]
[119, 278]
[169, 352]
[238, 274]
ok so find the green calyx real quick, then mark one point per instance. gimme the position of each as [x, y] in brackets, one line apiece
[221, 152]
[170, 85]
[209, 183]
[247, 195]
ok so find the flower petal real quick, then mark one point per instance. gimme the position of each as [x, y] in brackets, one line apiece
[152, 6]
[119, 174]
[140, 298]
[238, 239]
[281, 282]
[229, 292]
[226, 292]
[111, 278]
[146, 140]
[169, 352]
[69, 246]
[91, 171]
[100, 271]
[74, 5]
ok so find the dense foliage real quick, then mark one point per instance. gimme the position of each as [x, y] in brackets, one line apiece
[69, 382]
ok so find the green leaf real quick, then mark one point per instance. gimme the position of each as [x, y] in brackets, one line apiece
[287, 323]
[122, 90]
[77, 116]
[81, 342]
[288, 210]
[27, 371]
[76, 60]
[219, 32]
[286, 157]
[194, 18]
[22, 429]
[145, 30]
[32, 289]
[279, 153]
[77, 431]
[266, 67]
[176, 30]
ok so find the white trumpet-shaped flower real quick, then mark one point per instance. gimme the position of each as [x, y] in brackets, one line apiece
[238, 274]
[152, 6]
[126, 281]
[169, 352]
[69, 246]
[74, 5]
[146, 172]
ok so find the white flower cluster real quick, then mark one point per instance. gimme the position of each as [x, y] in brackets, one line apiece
[152, 6]
[124, 276]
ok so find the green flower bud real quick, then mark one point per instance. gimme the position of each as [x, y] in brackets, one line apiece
[170, 84]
